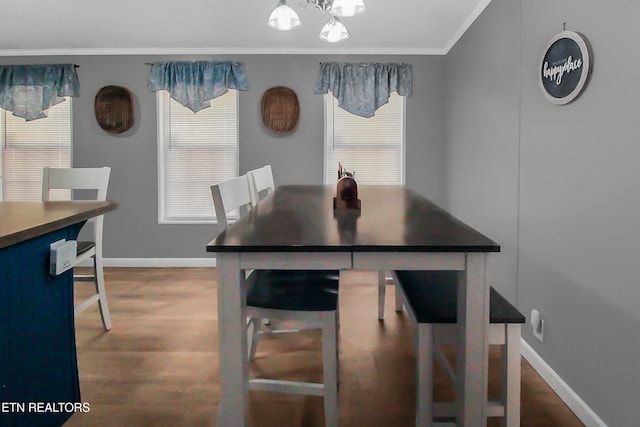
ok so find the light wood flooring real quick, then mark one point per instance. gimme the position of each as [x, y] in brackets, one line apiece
[159, 365]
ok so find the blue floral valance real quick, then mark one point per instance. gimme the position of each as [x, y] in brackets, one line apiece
[194, 84]
[29, 90]
[362, 88]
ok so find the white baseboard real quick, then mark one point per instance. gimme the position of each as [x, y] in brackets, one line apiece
[562, 389]
[155, 262]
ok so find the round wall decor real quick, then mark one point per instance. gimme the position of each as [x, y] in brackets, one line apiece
[280, 110]
[113, 107]
[565, 66]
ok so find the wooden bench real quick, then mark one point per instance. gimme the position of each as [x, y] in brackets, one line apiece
[430, 298]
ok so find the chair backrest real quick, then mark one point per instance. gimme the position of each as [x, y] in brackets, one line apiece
[228, 196]
[260, 180]
[76, 179]
[79, 179]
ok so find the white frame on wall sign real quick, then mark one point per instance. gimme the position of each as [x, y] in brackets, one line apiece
[558, 67]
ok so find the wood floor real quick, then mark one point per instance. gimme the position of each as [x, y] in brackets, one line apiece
[159, 365]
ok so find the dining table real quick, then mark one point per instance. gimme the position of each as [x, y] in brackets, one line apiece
[395, 228]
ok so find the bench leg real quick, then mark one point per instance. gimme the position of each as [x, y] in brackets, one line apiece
[399, 299]
[510, 376]
[337, 317]
[424, 375]
[381, 293]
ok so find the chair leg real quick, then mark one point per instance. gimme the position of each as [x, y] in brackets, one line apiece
[424, 375]
[510, 376]
[253, 327]
[100, 289]
[381, 293]
[330, 369]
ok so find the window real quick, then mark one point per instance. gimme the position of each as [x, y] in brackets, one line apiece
[195, 151]
[27, 147]
[372, 147]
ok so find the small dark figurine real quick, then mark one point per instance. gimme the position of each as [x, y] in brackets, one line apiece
[346, 190]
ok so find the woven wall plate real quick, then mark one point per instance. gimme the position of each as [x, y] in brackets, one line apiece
[114, 109]
[280, 110]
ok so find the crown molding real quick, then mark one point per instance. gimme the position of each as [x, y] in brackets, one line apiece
[465, 25]
[222, 51]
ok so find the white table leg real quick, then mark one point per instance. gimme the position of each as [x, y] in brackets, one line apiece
[234, 366]
[472, 357]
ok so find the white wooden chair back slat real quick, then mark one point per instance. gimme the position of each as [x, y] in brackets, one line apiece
[76, 179]
[260, 180]
[228, 196]
[80, 179]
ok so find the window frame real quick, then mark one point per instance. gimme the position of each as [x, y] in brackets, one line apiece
[162, 218]
[403, 143]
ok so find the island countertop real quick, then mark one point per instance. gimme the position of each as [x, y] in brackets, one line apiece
[20, 221]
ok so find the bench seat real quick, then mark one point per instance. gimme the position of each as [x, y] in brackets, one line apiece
[433, 298]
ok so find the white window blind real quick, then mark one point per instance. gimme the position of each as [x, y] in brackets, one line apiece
[196, 151]
[372, 147]
[27, 147]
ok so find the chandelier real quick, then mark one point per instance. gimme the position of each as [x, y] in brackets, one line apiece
[284, 18]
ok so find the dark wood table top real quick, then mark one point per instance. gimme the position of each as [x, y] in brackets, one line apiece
[20, 221]
[301, 218]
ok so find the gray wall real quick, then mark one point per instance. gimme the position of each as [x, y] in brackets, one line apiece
[132, 231]
[571, 224]
[481, 111]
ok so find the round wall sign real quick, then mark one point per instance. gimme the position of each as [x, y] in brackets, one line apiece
[564, 67]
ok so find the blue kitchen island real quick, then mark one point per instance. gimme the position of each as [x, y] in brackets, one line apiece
[39, 384]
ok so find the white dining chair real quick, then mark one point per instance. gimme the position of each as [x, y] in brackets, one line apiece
[307, 296]
[96, 179]
[260, 183]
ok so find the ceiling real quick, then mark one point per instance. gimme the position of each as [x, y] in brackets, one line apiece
[95, 27]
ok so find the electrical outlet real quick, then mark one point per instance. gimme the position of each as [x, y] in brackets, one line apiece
[62, 256]
[537, 323]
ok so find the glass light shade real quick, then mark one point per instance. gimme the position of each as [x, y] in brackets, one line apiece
[345, 8]
[334, 31]
[283, 18]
